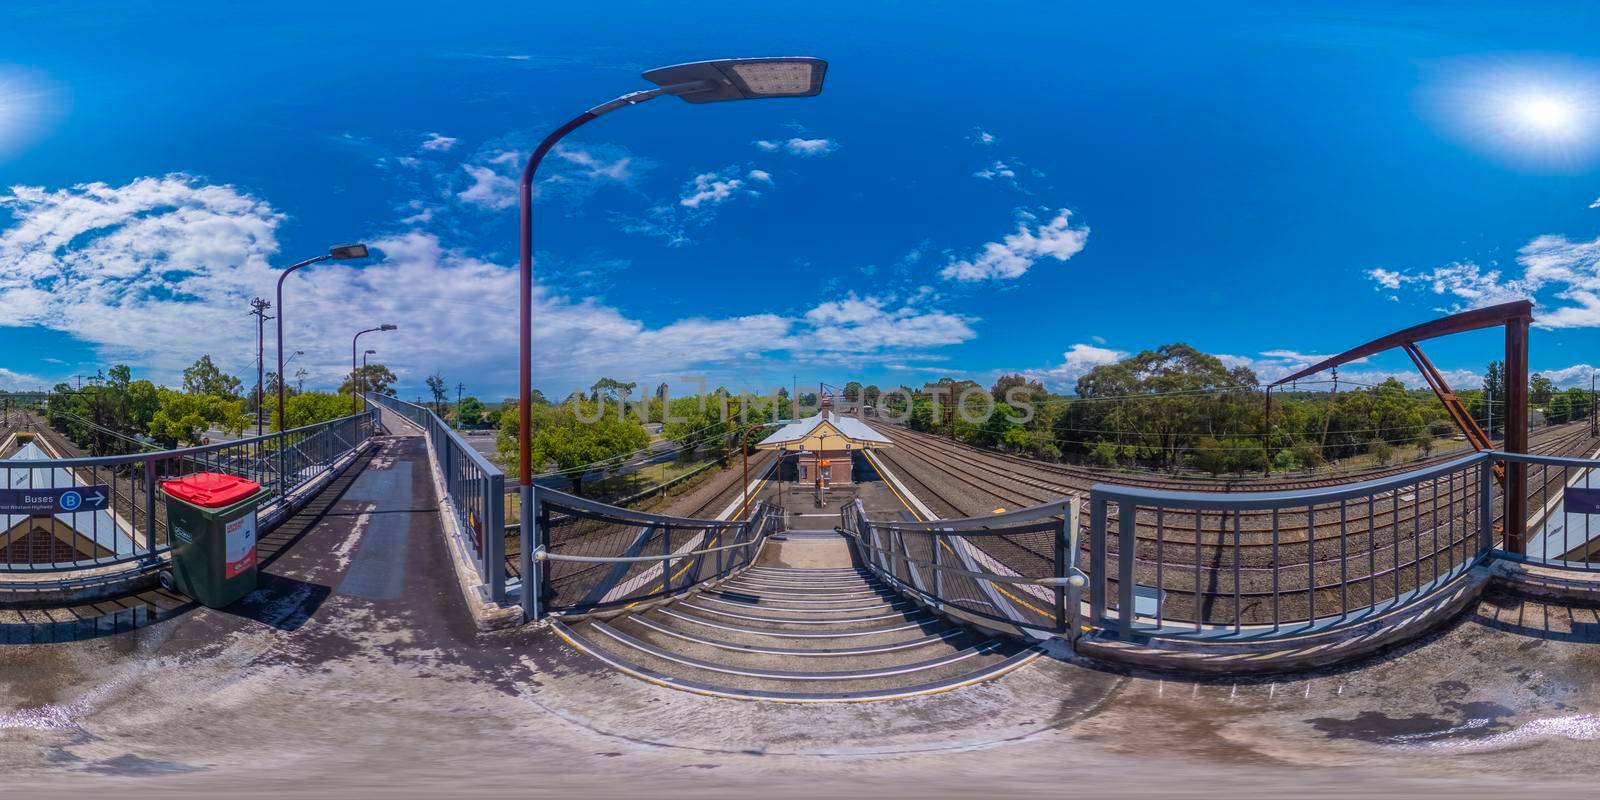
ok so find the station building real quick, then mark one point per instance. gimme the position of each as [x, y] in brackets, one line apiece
[823, 446]
[74, 536]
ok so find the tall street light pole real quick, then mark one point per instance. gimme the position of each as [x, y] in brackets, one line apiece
[360, 377]
[343, 252]
[364, 355]
[696, 82]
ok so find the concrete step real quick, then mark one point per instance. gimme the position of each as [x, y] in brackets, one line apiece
[748, 617]
[900, 637]
[713, 651]
[644, 659]
[798, 636]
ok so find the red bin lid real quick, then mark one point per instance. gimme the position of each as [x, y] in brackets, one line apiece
[210, 489]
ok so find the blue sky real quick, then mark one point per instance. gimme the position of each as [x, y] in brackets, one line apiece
[980, 188]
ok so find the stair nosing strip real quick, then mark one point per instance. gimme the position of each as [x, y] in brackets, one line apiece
[888, 647]
[711, 623]
[982, 648]
[780, 621]
[1010, 664]
[887, 604]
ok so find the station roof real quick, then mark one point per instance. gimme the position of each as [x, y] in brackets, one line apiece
[853, 430]
[96, 526]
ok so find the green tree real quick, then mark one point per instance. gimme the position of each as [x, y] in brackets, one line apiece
[1540, 389]
[205, 378]
[371, 378]
[183, 418]
[469, 413]
[438, 388]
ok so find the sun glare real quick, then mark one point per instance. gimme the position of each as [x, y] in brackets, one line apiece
[1541, 116]
[26, 108]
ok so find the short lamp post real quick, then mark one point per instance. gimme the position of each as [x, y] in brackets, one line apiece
[695, 82]
[358, 379]
[343, 252]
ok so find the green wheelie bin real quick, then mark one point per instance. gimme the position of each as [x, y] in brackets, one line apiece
[211, 517]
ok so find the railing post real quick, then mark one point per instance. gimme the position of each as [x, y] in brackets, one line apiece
[150, 510]
[1069, 567]
[532, 606]
[1062, 570]
[1486, 504]
[1097, 558]
[494, 536]
[1127, 552]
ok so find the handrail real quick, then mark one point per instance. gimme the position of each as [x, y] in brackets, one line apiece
[543, 554]
[631, 515]
[1288, 498]
[1079, 578]
[166, 455]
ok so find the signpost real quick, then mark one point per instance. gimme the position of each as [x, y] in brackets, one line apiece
[49, 502]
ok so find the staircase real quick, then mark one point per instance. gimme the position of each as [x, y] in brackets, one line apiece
[797, 635]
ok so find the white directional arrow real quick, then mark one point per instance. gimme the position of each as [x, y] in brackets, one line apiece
[99, 498]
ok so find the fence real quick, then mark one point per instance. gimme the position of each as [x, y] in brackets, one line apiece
[475, 487]
[588, 556]
[1264, 564]
[1015, 569]
[113, 515]
[1237, 565]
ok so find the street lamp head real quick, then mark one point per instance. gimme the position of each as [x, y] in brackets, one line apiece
[345, 252]
[742, 78]
[388, 327]
[371, 352]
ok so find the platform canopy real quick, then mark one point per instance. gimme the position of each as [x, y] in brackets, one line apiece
[824, 430]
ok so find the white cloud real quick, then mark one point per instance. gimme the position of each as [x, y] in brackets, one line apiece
[998, 169]
[984, 137]
[489, 189]
[18, 381]
[1561, 276]
[709, 189]
[596, 165]
[1076, 362]
[1014, 255]
[858, 324]
[759, 175]
[799, 147]
[1596, 203]
[1388, 279]
[439, 143]
[136, 270]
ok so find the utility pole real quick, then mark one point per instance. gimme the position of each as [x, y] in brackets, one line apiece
[258, 309]
[459, 387]
[1594, 417]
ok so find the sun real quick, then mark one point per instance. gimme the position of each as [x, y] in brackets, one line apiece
[1548, 114]
[1540, 114]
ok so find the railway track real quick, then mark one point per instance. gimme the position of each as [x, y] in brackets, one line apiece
[1244, 567]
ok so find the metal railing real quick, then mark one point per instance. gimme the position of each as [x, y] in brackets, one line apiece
[588, 556]
[118, 517]
[1557, 535]
[475, 488]
[1233, 566]
[1018, 569]
[1270, 564]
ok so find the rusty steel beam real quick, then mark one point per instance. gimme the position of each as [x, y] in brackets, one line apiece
[1516, 317]
[1478, 318]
